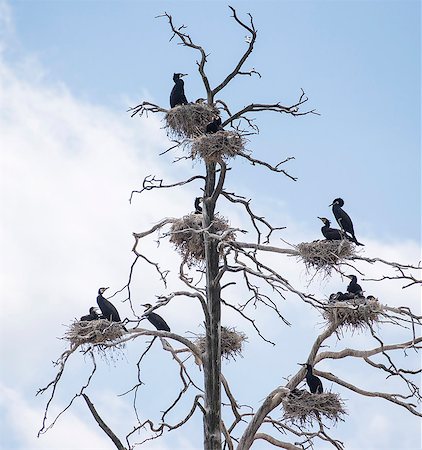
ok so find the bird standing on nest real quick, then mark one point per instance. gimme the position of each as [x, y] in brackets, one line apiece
[214, 126]
[198, 207]
[343, 219]
[353, 287]
[107, 308]
[93, 315]
[177, 95]
[155, 319]
[332, 234]
[314, 383]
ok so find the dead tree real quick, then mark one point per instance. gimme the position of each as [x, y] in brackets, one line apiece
[208, 243]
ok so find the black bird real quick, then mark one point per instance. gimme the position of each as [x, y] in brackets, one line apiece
[343, 219]
[353, 287]
[314, 383]
[155, 319]
[108, 310]
[214, 126]
[198, 207]
[177, 95]
[93, 315]
[332, 234]
[341, 296]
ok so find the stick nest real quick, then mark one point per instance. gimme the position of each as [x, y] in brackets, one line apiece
[191, 120]
[322, 255]
[302, 408]
[354, 314]
[231, 342]
[218, 146]
[93, 332]
[190, 243]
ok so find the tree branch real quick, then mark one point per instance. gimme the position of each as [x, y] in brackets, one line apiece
[102, 424]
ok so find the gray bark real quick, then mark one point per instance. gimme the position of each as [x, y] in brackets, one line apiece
[212, 357]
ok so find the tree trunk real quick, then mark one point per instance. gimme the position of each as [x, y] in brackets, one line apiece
[212, 359]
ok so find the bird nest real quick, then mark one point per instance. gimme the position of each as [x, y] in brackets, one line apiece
[191, 120]
[355, 314]
[189, 240]
[231, 342]
[99, 331]
[322, 255]
[302, 408]
[218, 146]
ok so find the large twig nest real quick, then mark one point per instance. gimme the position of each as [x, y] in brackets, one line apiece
[93, 332]
[189, 240]
[355, 314]
[231, 342]
[322, 255]
[218, 146]
[302, 408]
[191, 120]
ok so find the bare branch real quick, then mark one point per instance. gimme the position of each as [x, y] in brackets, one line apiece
[102, 424]
[275, 168]
[145, 108]
[150, 183]
[187, 42]
[251, 41]
[276, 442]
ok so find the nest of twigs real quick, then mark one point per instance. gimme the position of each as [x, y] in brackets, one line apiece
[218, 146]
[189, 240]
[191, 120]
[93, 332]
[302, 408]
[231, 342]
[322, 255]
[355, 314]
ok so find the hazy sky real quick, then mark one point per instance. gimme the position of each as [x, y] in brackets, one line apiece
[70, 156]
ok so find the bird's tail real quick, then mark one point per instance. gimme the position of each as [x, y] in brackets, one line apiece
[356, 241]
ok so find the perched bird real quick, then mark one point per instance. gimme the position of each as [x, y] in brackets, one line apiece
[93, 315]
[353, 287]
[155, 319]
[340, 297]
[215, 125]
[333, 297]
[198, 207]
[177, 95]
[314, 383]
[332, 234]
[343, 219]
[107, 308]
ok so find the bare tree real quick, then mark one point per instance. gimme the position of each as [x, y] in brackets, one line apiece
[211, 254]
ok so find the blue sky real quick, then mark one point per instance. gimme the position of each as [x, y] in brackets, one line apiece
[71, 156]
[359, 63]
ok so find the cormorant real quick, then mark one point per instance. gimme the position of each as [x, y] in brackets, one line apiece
[93, 315]
[108, 310]
[314, 383]
[341, 297]
[177, 95]
[198, 207]
[353, 287]
[343, 219]
[332, 234]
[155, 319]
[214, 126]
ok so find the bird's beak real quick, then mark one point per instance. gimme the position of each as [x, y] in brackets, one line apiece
[349, 276]
[106, 288]
[301, 364]
[331, 204]
[320, 218]
[183, 75]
